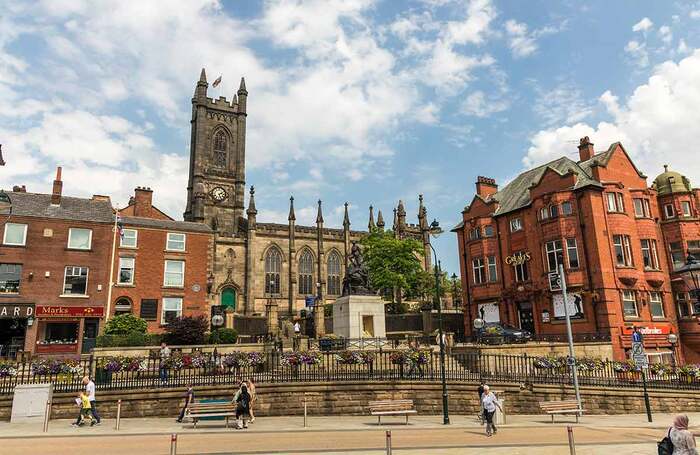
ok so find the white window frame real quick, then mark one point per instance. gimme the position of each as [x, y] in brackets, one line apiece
[685, 208]
[492, 269]
[624, 245]
[651, 250]
[136, 239]
[521, 271]
[168, 240]
[655, 298]
[516, 224]
[629, 296]
[24, 234]
[569, 248]
[165, 274]
[669, 211]
[616, 202]
[567, 211]
[475, 233]
[544, 213]
[70, 237]
[681, 299]
[133, 270]
[638, 204]
[166, 300]
[65, 275]
[478, 270]
[553, 250]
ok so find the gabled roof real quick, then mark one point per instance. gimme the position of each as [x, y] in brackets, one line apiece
[602, 159]
[70, 208]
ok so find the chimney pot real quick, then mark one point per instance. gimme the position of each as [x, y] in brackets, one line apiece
[57, 188]
[485, 186]
[143, 202]
[585, 149]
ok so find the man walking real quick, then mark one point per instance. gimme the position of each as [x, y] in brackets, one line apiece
[490, 403]
[163, 368]
[90, 391]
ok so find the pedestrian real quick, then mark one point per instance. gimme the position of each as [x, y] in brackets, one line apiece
[253, 398]
[189, 399]
[83, 402]
[297, 328]
[490, 403]
[163, 367]
[682, 439]
[90, 390]
[242, 400]
[480, 390]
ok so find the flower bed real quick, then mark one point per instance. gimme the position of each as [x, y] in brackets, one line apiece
[43, 367]
[354, 357]
[408, 357]
[7, 369]
[660, 369]
[583, 364]
[690, 371]
[116, 364]
[301, 358]
[242, 359]
[625, 366]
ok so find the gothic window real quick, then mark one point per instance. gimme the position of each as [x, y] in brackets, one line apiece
[273, 267]
[334, 274]
[220, 147]
[306, 273]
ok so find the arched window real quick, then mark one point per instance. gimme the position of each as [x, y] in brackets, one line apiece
[273, 267]
[220, 147]
[306, 273]
[334, 274]
[123, 306]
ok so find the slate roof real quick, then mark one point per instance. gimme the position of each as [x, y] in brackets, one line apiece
[166, 224]
[71, 208]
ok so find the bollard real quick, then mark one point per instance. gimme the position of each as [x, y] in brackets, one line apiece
[119, 414]
[388, 442]
[304, 409]
[173, 444]
[572, 445]
[47, 416]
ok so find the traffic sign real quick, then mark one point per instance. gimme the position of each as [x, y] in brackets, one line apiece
[638, 355]
[554, 282]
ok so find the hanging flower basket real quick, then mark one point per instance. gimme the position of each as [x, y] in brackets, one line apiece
[44, 367]
[354, 357]
[297, 358]
[410, 357]
[7, 369]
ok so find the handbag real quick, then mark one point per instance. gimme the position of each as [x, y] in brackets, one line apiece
[665, 445]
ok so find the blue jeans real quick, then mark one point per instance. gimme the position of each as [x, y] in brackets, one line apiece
[163, 374]
[93, 410]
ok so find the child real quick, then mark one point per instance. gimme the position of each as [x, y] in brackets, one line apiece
[83, 401]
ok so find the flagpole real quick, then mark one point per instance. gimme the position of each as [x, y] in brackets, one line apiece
[111, 266]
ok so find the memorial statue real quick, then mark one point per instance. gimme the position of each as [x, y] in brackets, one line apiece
[356, 281]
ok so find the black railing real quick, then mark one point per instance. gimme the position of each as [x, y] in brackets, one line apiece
[214, 370]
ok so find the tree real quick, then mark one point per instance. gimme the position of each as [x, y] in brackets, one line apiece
[393, 263]
[125, 324]
[187, 330]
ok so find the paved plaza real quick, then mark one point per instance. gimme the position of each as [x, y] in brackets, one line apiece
[532, 435]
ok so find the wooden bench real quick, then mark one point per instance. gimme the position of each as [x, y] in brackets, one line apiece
[566, 407]
[391, 408]
[195, 411]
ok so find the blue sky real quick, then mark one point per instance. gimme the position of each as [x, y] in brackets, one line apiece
[366, 101]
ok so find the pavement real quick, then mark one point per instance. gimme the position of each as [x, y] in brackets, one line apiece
[521, 434]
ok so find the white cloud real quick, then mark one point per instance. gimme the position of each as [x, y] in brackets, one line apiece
[638, 52]
[657, 124]
[479, 105]
[522, 42]
[695, 14]
[563, 104]
[642, 26]
[665, 34]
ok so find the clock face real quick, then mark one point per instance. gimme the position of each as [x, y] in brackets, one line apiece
[219, 194]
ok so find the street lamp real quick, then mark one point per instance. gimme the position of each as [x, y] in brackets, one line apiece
[690, 273]
[454, 291]
[435, 231]
[673, 339]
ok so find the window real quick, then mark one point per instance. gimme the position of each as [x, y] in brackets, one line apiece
[544, 213]
[65, 332]
[478, 270]
[656, 305]
[516, 224]
[174, 274]
[488, 230]
[79, 239]
[616, 202]
[306, 273]
[641, 208]
[677, 254]
[521, 272]
[572, 253]
[694, 246]
[220, 146]
[172, 309]
[685, 208]
[553, 211]
[553, 250]
[669, 211]
[126, 271]
[10, 276]
[75, 281]
[493, 269]
[474, 233]
[176, 242]
[682, 303]
[649, 254]
[273, 267]
[128, 238]
[122, 306]
[623, 251]
[149, 309]
[629, 304]
[15, 234]
[334, 269]
[566, 208]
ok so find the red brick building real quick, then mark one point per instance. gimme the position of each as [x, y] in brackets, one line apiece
[597, 216]
[161, 266]
[54, 274]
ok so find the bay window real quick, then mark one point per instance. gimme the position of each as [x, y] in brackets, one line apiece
[623, 250]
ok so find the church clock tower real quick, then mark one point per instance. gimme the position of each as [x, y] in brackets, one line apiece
[216, 185]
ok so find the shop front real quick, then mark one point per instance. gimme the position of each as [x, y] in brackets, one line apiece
[66, 330]
[657, 343]
[15, 319]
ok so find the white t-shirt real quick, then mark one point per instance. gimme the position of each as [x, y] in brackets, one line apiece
[297, 328]
[90, 390]
[489, 401]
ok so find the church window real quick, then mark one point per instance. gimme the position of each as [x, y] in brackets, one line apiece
[273, 267]
[220, 146]
[306, 273]
[334, 274]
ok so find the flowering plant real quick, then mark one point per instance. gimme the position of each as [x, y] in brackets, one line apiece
[408, 357]
[624, 366]
[115, 364]
[42, 367]
[354, 357]
[660, 369]
[588, 364]
[242, 359]
[7, 369]
[301, 358]
[690, 370]
[549, 362]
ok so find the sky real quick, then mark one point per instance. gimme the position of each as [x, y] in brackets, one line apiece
[364, 101]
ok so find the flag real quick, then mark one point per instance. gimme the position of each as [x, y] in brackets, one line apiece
[120, 227]
[216, 82]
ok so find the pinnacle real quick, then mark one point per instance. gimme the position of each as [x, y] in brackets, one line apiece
[242, 86]
[203, 76]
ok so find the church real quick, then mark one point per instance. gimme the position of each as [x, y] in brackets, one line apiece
[265, 268]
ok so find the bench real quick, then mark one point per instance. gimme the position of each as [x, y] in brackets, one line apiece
[561, 407]
[195, 411]
[391, 408]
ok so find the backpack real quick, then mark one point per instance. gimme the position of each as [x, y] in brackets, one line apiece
[665, 445]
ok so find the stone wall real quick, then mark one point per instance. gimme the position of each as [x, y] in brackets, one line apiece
[352, 399]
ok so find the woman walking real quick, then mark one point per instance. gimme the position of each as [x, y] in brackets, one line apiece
[242, 400]
[490, 403]
[253, 398]
[682, 439]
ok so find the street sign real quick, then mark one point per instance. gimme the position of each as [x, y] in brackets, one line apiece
[638, 355]
[554, 282]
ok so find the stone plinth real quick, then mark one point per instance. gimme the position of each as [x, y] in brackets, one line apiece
[359, 316]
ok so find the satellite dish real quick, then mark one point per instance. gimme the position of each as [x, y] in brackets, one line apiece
[478, 323]
[217, 320]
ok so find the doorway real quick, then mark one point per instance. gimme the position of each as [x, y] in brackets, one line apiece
[90, 334]
[526, 317]
[367, 326]
[228, 299]
[12, 332]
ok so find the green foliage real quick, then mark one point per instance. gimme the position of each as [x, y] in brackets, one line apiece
[187, 330]
[132, 339]
[125, 324]
[223, 336]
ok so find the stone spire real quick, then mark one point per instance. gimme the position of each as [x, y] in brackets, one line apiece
[200, 91]
[319, 215]
[292, 216]
[234, 101]
[252, 211]
[396, 222]
[371, 224]
[203, 76]
[380, 220]
[242, 97]
[422, 214]
[346, 218]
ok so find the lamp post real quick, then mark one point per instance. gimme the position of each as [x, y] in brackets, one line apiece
[454, 291]
[435, 231]
[673, 339]
[690, 273]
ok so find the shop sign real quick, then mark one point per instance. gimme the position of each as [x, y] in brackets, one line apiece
[488, 312]
[10, 311]
[69, 311]
[650, 330]
[518, 258]
[574, 303]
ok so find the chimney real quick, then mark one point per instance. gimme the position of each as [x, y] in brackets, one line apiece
[485, 186]
[143, 200]
[585, 149]
[57, 188]
[19, 189]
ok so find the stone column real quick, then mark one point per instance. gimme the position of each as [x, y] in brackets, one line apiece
[292, 258]
[249, 304]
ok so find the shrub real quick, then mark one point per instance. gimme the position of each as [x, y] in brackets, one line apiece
[187, 330]
[125, 324]
[132, 339]
[223, 336]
